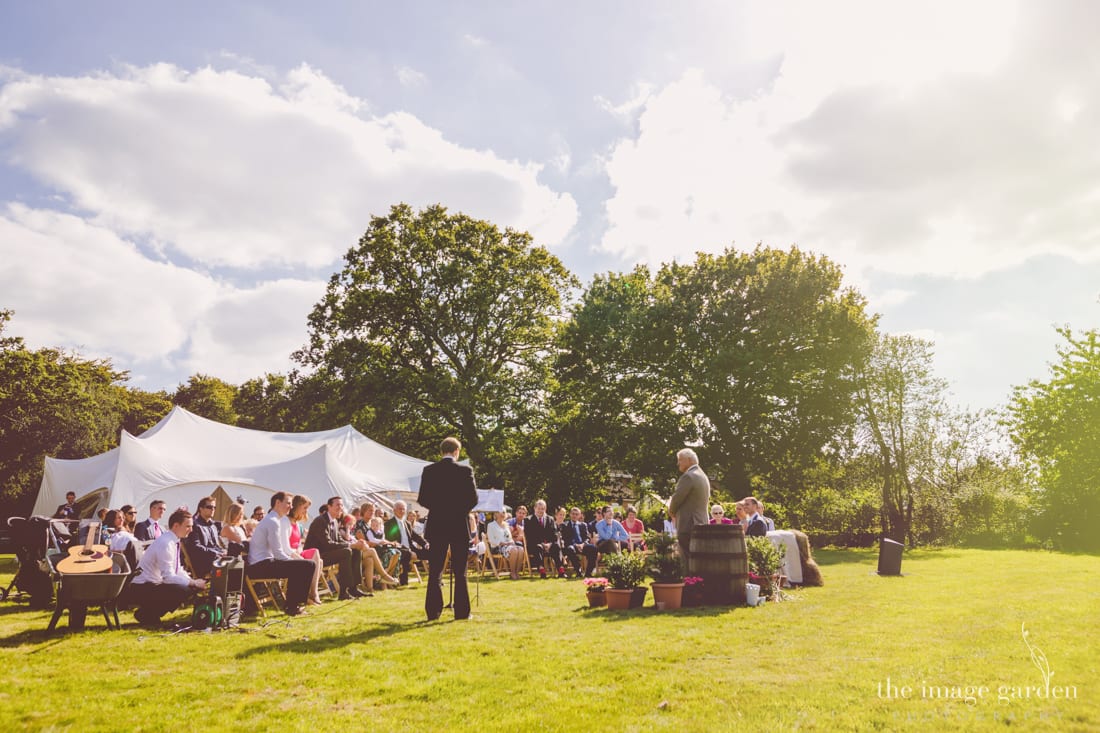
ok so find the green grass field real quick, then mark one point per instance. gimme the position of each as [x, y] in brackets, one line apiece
[534, 657]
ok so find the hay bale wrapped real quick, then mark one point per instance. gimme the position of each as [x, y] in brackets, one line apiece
[811, 573]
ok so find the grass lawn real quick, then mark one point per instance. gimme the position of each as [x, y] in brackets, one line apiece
[534, 657]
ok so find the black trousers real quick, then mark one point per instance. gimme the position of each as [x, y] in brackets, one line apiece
[298, 574]
[156, 599]
[538, 555]
[350, 572]
[588, 550]
[437, 555]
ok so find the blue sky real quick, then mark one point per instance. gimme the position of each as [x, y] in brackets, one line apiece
[177, 181]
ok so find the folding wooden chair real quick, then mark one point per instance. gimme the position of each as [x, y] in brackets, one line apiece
[264, 590]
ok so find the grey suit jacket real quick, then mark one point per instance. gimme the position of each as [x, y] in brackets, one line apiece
[691, 501]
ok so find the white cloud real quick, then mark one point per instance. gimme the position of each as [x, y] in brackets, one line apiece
[230, 170]
[926, 139]
[248, 333]
[410, 77]
[74, 283]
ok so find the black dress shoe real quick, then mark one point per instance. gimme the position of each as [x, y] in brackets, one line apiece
[346, 596]
[356, 593]
[293, 611]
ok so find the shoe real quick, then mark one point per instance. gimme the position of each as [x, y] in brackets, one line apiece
[391, 582]
[561, 571]
[356, 593]
[347, 596]
[542, 572]
[313, 602]
[294, 611]
[464, 618]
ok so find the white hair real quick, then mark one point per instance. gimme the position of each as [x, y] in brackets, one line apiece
[689, 454]
[401, 504]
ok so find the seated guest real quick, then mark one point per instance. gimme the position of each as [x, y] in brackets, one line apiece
[667, 525]
[250, 523]
[577, 542]
[233, 532]
[362, 524]
[387, 550]
[518, 526]
[299, 513]
[324, 536]
[416, 522]
[400, 530]
[634, 527]
[270, 556]
[372, 563]
[68, 509]
[162, 585]
[756, 526]
[742, 513]
[202, 544]
[501, 542]
[542, 540]
[718, 515]
[612, 537]
[121, 540]
[129, 518]
[477, 547]
[150, 529]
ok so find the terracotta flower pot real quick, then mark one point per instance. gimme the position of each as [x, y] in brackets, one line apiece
[618, 599]
[671, 594]
[596, 598]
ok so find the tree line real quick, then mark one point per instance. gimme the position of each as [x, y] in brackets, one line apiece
[438, 323]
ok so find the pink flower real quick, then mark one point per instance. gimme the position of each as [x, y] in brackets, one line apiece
[693, 580]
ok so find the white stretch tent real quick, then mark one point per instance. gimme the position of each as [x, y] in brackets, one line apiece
[185, 457]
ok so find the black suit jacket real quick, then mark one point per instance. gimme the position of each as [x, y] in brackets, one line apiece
[567, 535]
[756, 528]
[448, 492]
[536, 532]
[202, 545]
[416, 541]
[323, 536]
[144, 530]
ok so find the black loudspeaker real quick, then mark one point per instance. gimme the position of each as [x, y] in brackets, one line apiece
[889, 557]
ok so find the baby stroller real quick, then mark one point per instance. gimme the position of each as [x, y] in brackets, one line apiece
[32, 537]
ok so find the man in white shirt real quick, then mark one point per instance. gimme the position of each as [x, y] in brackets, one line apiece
[270, 556]
[162, 585]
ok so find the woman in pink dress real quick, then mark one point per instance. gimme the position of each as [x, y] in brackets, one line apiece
[299, 513]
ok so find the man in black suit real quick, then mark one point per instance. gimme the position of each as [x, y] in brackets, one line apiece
[68, 509]
[542, 539]
[202, 543]
[399, 529]
[577, 542]
[150, 529]
[448, 492]
[324, 535]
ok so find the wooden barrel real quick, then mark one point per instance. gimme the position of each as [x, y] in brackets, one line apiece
[718, 555]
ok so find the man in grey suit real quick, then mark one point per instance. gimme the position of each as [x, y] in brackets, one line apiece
[688, 505]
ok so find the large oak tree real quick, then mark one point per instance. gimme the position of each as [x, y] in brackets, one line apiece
[439, 323]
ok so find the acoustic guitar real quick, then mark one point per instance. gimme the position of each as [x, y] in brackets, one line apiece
[90, 558]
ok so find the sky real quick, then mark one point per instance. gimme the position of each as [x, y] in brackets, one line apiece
[178, 181]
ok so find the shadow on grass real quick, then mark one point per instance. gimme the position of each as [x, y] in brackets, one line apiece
[607, 616]
[335, 641]
[840, 556]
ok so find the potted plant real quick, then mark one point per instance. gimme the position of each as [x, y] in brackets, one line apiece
[765, 560]
[667, 568]
[625, 571]
[594, 589]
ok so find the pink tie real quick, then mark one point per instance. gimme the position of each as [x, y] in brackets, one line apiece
[156, 530]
